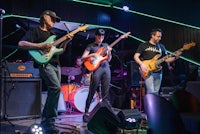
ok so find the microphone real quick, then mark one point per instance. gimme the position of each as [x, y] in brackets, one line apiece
[20, 27]
[2, 11]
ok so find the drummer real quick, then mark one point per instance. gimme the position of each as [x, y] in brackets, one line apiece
[80, 78]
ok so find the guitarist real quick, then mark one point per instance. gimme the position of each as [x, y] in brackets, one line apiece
[50, 72]
[147, 51]
[100, 76]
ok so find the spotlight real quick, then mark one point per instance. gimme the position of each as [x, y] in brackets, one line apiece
[126, 8]
[35, 129]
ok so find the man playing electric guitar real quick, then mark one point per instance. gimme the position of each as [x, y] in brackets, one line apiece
[153, 50]
[50, 71]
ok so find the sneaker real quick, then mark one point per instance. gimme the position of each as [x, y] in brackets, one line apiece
[86, 117]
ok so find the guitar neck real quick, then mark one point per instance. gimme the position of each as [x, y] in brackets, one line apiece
[168, 56]
[111, 45]
[60, 40]
[115, 42]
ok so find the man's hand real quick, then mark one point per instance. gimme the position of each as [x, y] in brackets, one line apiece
[70, 36]
[45, 47]
[143, 67]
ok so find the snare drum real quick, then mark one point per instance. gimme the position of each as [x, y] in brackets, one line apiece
[78, 99]
[86, 79]
[67, 89]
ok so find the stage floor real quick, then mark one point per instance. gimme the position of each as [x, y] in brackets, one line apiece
[67, 123]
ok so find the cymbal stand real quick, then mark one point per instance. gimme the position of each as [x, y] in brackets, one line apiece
[100, 93]
[69, 106]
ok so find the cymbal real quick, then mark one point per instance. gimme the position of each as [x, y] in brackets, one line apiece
[70, 71]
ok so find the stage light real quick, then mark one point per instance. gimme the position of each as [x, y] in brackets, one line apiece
[35, 129]
[126, 8]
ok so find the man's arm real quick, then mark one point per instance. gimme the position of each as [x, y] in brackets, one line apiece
[29, 45]
[137, 60]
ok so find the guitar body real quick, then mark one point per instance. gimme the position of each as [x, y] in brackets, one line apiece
[151, 66]
[154, 64]
[44, 57]
[92, 63]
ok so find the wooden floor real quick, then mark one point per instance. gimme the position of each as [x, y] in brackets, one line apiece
[67, 123]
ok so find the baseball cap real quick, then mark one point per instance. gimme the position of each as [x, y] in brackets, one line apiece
[100, 32]
[52, 14]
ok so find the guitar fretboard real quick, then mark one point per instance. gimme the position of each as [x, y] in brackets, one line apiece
[168, 56]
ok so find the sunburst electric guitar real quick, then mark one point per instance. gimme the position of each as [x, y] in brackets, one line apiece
[153, 64]
[43, 57]
[93, 63]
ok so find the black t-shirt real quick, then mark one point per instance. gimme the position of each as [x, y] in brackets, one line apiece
[36, 35]
[148, 51]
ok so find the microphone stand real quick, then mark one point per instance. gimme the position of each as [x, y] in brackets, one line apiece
[3, 71]
[5, 94]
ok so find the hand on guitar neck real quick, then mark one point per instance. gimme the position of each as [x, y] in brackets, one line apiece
[153, 65]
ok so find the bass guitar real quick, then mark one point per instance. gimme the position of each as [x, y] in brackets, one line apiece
[93, 63]
[43, 57]
[153, 64]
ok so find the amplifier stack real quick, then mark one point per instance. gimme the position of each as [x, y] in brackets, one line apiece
[20, 91]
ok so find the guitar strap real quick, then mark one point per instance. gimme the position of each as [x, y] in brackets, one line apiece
[159, 47]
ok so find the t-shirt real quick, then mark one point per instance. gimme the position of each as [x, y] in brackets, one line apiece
[148, 51]
[36, 35]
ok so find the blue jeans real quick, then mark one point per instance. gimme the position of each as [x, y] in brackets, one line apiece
[52, 76]
[153, 83]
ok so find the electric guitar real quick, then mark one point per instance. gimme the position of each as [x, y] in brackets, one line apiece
[153, 64]
[43, 57]
[93, 63]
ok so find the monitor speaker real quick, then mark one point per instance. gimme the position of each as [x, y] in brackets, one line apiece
[21, 98]
[129, 118]
[103, 120]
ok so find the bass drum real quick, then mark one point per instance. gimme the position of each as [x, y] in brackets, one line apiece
[67, 90]
[78, 99]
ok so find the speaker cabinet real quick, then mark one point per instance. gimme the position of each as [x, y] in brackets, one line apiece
[103, 120]
[21, 98]
[134, 76]
[194, 88]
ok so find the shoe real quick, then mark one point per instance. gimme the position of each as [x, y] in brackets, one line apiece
[50, 130]
[86, 117]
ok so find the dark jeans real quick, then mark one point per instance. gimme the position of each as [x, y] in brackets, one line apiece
[101, 75]
[52, 76]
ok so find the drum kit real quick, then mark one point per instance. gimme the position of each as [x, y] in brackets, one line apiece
[74, 94]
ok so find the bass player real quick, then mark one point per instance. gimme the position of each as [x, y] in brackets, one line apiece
[147, 51]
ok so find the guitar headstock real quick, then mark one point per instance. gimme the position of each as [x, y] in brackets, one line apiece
[83, 28]
[189, 45]
[125, 35]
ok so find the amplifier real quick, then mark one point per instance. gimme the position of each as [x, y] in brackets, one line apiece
[19, 70]
[20, 98]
